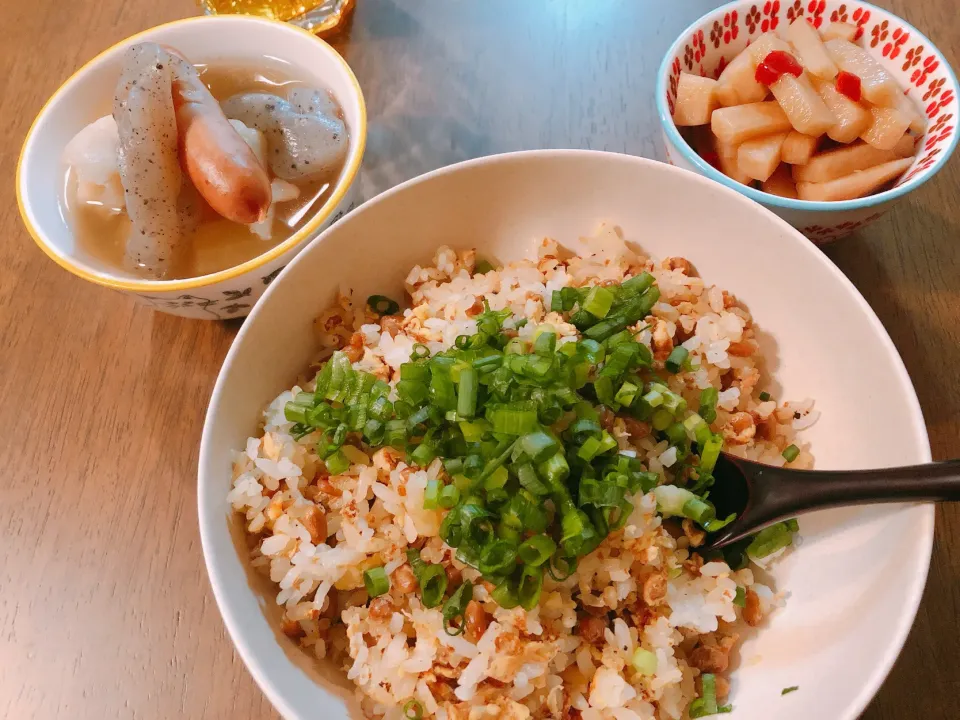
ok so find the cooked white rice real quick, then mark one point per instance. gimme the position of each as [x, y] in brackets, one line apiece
[314, 534]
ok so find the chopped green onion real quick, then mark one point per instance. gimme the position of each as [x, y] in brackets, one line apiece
[518, 419]
[497, 479]
[531, 584]
[764, 396]
[449, 496]
[413, 710]
[561, 567]
[671, 499]
[467, 392]
[637, 284]
[498, 558]
[376, 581]
[654, 398]
[555, 470]
[546, 344]
[790, 453]
[626, 394]
[598, 302]
[382, 305]
[538, 446]
[676, 359]
[431, 578]
[706, 704]
[529, 480]
[788, 690]
[556, 301]
[536, 550]
[433, 583]
[505, 595]
[700, 511]
[455, 608]
[710, 453]
[644, 661]
[337, 463]
[740, 600]
[662, 419]
[770, 540]
[431, 496]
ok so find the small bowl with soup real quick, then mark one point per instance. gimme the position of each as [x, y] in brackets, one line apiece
[188, 164]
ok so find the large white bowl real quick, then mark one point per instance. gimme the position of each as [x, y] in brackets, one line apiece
[855, 584]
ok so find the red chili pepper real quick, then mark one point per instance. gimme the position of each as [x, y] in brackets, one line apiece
[713, 159]
[776, 64]
[849, 84]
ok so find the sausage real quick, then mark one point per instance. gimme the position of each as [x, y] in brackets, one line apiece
[222, 167]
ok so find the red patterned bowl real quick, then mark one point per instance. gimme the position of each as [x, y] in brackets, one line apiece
[711, 42]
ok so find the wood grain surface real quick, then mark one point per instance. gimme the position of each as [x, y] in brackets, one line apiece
[105, 608]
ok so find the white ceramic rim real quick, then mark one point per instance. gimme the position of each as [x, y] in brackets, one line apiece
[908, 612]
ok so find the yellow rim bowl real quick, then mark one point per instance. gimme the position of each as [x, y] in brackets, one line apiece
[358, 139]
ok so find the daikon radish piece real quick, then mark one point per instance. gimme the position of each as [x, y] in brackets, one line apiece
[734, 125]
[737, 84]
[758, 158]
[841, 161]
[802, 104]
[764, 45]
[798, 148]
[696, 100]
[727, 154]
[855, 185]
[906, 147]
[852, 117]
[780, 183]
[886, 128]
[839, 31]
[813, 55]
[918, 121]
[878, 86]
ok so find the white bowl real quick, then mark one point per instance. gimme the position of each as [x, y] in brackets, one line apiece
[88, 94]
[715, 39]
[853, 586]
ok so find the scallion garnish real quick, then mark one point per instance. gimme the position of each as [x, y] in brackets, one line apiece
[382, 305]
[455, 608]
[536, 550]
[676, 359]
[764, 396]
[532, 480]
[413, 710]
[644, 661]
[788, 690]
[740, 600]
[790, 453]
[771, 539]
[376, 581]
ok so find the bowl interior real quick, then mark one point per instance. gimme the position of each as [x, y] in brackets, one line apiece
[853, 587]
[88, 95]
[714, 40]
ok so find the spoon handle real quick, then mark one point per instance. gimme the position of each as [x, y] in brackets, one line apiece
[935, 482]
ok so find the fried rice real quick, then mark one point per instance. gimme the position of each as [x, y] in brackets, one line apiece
[645, 586]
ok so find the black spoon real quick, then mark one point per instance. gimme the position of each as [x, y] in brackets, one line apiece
[761, 495]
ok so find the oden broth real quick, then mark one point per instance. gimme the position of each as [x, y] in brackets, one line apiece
[216, 243]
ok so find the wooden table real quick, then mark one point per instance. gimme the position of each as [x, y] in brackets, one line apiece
[105, 608]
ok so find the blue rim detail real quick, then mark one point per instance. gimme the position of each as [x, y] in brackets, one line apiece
[704, 168]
